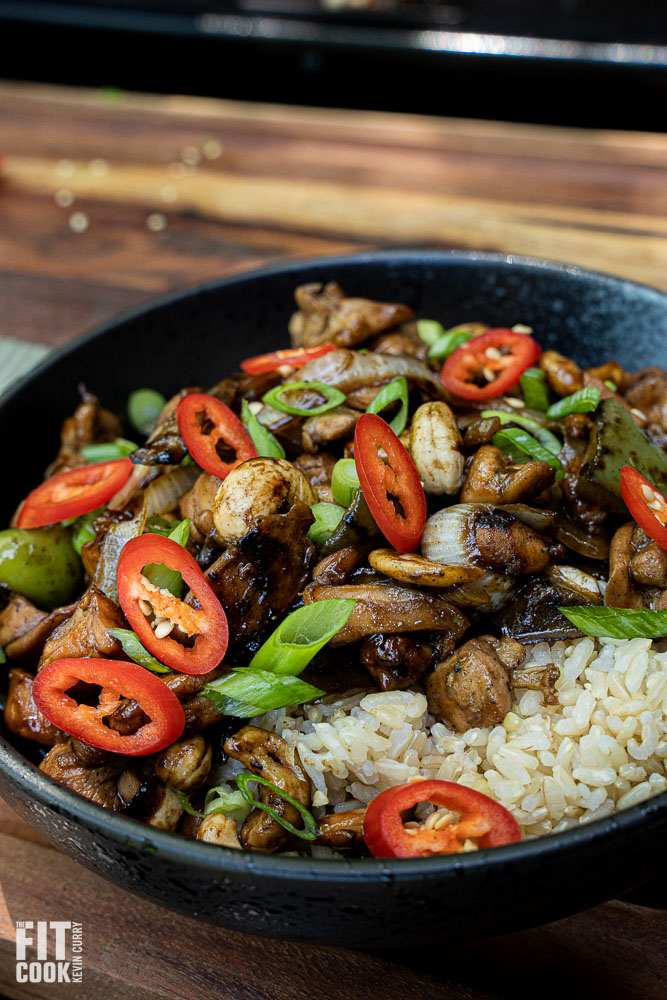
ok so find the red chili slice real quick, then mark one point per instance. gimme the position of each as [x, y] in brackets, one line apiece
[647, 505]
[295, 357]
[75, 492]
[480, 819]
[204, 619]
[195, 412]
[117, 679]
[489, 365]
[391, 487]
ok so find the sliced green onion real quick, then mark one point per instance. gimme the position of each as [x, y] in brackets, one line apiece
[545, 437]
[161, 575]
[160, 525]
[309, 831]
[138, 653]
[611, 385]
[301, 635]
[327, 518]
[618, 623]
[266, 444]
[523, 446]
[334, 397]
[245, 693]
[83, 528]
[218, 800]
[430, 330]
[392, 392]
[345, 481]
[3, 655]
[448, 343]
[109, 450]
[534, 387]
[582, 401]
[143, 408]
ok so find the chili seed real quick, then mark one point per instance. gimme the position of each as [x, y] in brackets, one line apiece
[145, 607]
[163, 629]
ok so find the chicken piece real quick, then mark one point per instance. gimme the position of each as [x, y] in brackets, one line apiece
[24, 628]
[494, 478]
[128, 717]
[395, 662]
[648, 394]
[22, 717]
[563, 375]
[318, 470]
[648, 565]
[480, 431]
[336, 568]
[334, 425]
[165, 445]
[269, 756]
[186, 764]
[197, 504]
[404, 341]
[259, 578]
[351, 371]
[220, 830]
[89, 424]
[326, 316]
[85, 633]
[510, 652]
[390, 609]
[97, 784]
[471, 688]
[619, 592]
[610, 371]
[341, 830]
[590, 515]
[163, 808]
[537, 679]
[199, 714]
[593, 382]
[506, 545]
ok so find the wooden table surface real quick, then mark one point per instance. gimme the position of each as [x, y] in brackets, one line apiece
[108, 200]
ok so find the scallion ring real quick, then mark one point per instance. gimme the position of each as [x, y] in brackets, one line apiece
[333, 397]
[522, 446]
[266, 444]
[291, 647]
[447, 344]
[345, 481]
[534, 387]
[393, 392]
[309, 831]
[327, 518]
[429, 330]
[545, 437]
[136, 651]
[582, 401]
[143, 408]
[107, 451]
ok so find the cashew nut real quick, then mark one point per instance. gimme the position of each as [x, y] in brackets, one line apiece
[411, 568]
[185, 764]
[435, 448]
[220, 830]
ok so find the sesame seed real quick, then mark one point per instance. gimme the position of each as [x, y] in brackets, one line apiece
[163, 629]
[488, 374]
[169, 193]
[212, 149]
[65, 168]
[145, 607]
[78, 222]
[190, 155]
[648, 493]
[493, 353]
[156, 222]
[63, 198]
[98, 167]
[638, 413]
[518, 404]
[521, 328]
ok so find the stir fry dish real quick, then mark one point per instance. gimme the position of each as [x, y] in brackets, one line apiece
[396, 590]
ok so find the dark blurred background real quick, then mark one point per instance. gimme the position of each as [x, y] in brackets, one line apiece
[598, 63]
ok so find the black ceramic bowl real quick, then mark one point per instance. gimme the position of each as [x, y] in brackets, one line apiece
[198, 337]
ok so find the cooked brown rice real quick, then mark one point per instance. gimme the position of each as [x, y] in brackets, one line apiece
[601, 746]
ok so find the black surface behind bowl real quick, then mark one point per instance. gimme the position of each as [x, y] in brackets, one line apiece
[198, 337]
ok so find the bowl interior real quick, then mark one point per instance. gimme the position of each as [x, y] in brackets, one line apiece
[198, 337]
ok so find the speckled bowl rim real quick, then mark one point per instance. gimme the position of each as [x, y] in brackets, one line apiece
[179, 849]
